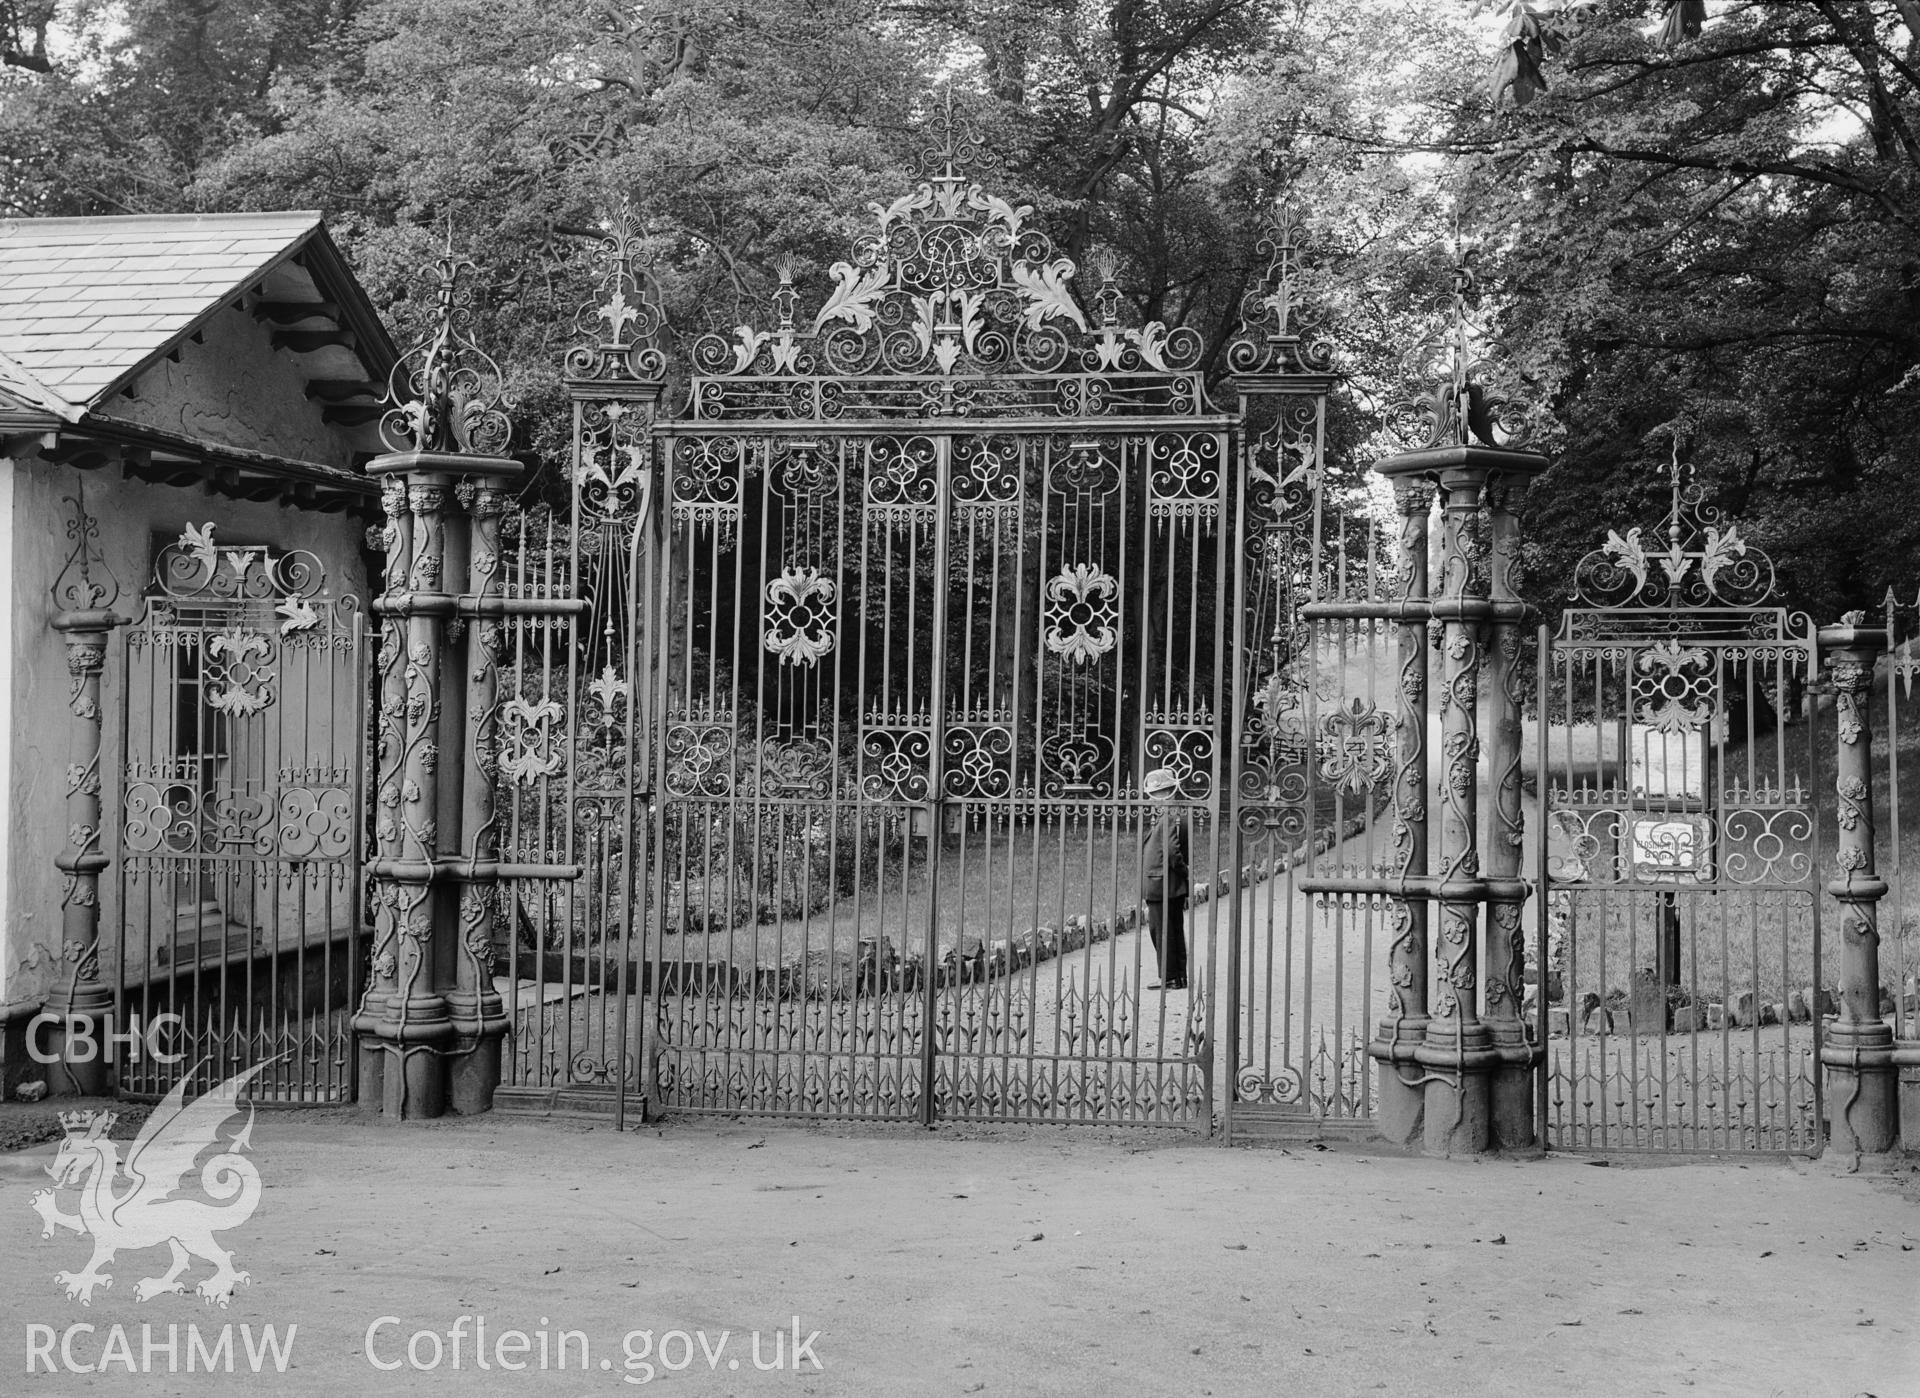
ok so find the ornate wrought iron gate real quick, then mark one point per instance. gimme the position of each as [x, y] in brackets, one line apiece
[872, 676]
[240, 831]
[1681, 915]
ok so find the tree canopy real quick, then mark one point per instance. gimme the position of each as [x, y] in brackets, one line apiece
[1694, 223]
[1706, 233]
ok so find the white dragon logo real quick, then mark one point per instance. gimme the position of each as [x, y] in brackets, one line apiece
[146, 1215]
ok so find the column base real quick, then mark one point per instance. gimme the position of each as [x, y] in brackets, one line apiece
[370, 1085]
[413, 1082]
[1401, 1114]
[473, 1072]
[1459, 1114]
[1402, 1111]
[1862, 1090]
[1458, 1063]
[474, 1061]
[376, 1008]
[413, 1045]
[1889, 1162]
[1514, 1128]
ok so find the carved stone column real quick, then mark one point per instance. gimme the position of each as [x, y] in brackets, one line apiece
[395, 539]
[1469, 454]
[415, 1029]
[1398, 1037]
[1506, 890]
[1466, 1044]
[85, 591]
[1458, 1049]
[431, 1023]
[480, 1019]
[1858, 1051]
[86, 997]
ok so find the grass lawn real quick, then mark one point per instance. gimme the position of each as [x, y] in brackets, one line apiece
[995, 879]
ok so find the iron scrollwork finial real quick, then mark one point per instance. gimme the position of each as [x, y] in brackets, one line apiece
[447, 390]
[1279, 330]
[1458, 409]
[85, 583]
[953, 145]
[620, 325]
[196, 567]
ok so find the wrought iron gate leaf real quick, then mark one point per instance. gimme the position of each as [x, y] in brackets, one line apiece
[1680, 849]
[240, 821]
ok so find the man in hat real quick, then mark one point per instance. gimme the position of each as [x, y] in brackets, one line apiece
[1163, 878]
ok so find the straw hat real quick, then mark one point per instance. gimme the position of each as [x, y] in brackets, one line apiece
[1158, 780]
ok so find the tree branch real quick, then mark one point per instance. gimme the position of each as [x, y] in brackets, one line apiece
[1812, 173]
[1867, 59]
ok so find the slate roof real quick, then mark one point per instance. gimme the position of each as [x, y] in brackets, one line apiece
[18, 393]
[85, 302]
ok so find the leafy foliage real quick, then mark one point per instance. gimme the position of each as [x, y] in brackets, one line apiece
[1705, 234]
[743, 134]
[1694, 221]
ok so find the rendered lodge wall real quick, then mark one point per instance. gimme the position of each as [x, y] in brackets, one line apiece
[34, 760]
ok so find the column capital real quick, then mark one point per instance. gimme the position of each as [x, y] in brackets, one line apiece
[1413, 495]
[81, 626]
[1849, 634]
[1478, 462]
[1850, 671]
[441, 467]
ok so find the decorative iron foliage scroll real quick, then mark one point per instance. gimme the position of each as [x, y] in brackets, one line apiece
[1694, 559]
[620, 327]
[446, 389]
[951, 285]
[1457, 407]
[1280, 332]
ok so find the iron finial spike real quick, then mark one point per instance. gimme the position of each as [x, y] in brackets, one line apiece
[946, 94]
[86, 523]
[1462, 338]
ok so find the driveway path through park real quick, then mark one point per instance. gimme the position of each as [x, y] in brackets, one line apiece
[1002, 1261]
